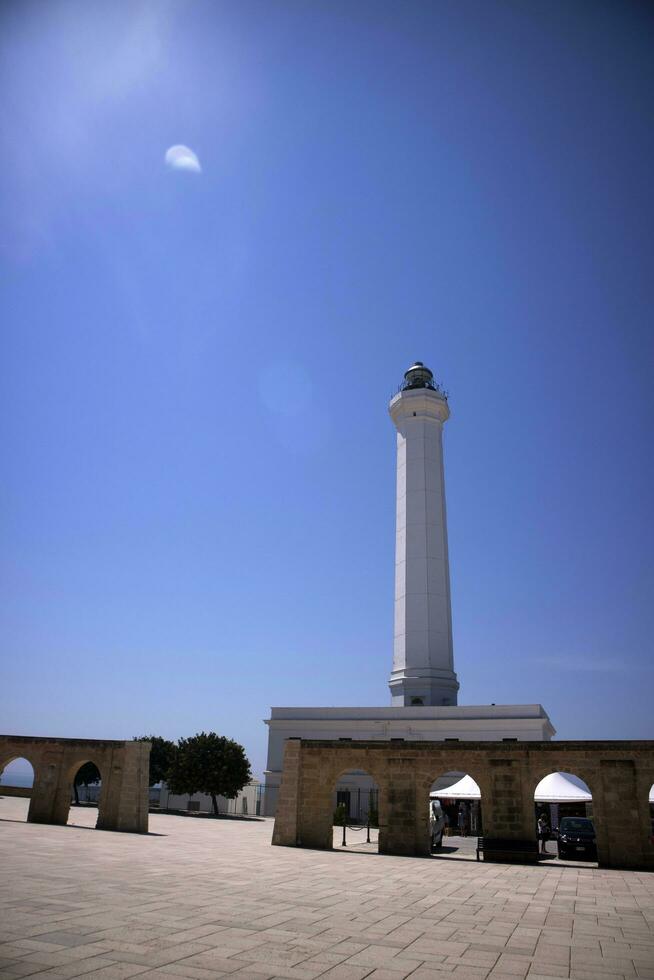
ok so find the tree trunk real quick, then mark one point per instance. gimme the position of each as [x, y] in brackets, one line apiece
[215, 804]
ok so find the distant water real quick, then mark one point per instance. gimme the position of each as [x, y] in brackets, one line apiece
[22, 779]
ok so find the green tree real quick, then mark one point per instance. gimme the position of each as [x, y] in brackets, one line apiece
[162, 755]
[87, 775]
[340, 815]
[211, 764]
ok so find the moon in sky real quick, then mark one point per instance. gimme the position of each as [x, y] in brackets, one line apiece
[181, 157]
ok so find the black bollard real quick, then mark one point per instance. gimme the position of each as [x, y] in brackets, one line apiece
[343, 842]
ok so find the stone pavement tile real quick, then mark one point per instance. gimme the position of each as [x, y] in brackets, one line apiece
[374, 956]
[80, 968]
[287, 972]
[587, 959]
[591, 975]
[207, 961]
[439, 931]
[432, 972]
[51, 974]
[547, 953]
[513, 964]
[525, 935]
[592, 929]
[6, 963]
[133, 934]
[324, 960]
[536, 974]
[197, 933]
[246, 974]
[63, 956]
[117, 971]
[443, 947]
[348, 947]
[270, 953]
[158, 975]
[64, 939]
[496, 975]
[234, 943]
[385, 974]
[157, 955]
[584, 941]
[346, 972]
[182, 969]
[474, 957]
[312, 947]
[553, 969]
[18, 949]
[159, 893]
[277, 935]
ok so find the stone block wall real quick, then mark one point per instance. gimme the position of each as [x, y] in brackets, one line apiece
[619, 775]
[123, 766]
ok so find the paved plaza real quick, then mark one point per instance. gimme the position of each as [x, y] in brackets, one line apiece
[201, 898]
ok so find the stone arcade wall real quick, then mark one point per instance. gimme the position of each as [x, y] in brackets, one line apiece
[619, 775]
[124, 767]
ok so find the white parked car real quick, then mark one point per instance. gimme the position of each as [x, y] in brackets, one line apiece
[436, 823]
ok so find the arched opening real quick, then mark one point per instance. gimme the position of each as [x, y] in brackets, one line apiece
[455, 815]
[563, 814]
[355, 805]
[16, 782]
[85, 794]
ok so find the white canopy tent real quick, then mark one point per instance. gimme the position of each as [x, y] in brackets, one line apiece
[464, 789]
[562, 787]
[558, 787]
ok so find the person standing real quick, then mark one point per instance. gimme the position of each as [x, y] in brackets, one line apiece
[543, 833]
[462, 821]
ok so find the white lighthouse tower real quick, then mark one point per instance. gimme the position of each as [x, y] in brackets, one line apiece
[423, 665]
[423, 684]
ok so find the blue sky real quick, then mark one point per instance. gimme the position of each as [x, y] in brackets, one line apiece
[198, 466]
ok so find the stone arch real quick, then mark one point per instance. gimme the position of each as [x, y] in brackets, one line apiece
[573, 767]
[428, 773]
[618, 773]
[426, 776]
[558, 810]
[7, 759]
[69, 777]
[538, 773]
[11, 789]
[124, 767]
[352, 765]
[378, 801]
[646, 810]
[350, 759]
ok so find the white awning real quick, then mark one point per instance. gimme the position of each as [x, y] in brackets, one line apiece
[465, 789]
[562, 787]
[558, 787]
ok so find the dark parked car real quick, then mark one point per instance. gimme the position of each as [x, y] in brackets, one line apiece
[576, 838]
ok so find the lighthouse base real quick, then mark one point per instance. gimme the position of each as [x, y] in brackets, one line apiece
[479, 723]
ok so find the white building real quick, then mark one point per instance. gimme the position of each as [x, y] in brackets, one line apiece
[246, 803]
[423, 684]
